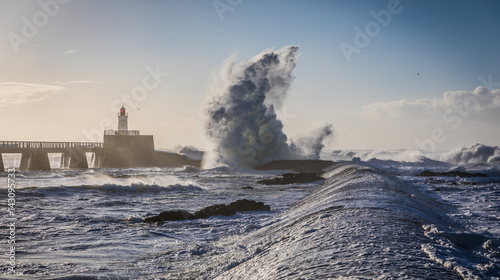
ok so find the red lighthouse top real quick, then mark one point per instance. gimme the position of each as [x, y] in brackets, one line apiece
[122, 111]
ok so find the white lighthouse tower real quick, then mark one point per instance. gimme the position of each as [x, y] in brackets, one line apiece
[122, 120]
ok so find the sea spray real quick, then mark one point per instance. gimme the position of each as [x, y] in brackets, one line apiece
[477, 153]
[471, 154]
[242, 123]
[310, 147]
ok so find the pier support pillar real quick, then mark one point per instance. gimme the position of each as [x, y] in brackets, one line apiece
[25, 161]
[35, 161]
[65, 157]
[74, 159]
[2, 169]
[97, 159]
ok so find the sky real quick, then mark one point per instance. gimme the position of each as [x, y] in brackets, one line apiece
[386, 74]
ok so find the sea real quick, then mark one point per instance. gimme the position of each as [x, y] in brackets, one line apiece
[372, 218]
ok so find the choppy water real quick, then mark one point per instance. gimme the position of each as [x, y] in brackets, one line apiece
[362, 223]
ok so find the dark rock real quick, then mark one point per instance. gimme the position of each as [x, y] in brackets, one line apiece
[247, 188]
[218, 209]
[463, 174]
[248, 205]
[292, 178]
[169, 216]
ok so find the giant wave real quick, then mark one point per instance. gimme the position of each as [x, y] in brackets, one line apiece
[242, 120]
[363, 223]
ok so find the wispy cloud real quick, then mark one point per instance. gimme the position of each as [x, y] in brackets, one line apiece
[15, 94]
[477, 103]
[82, 82]
[70, 51]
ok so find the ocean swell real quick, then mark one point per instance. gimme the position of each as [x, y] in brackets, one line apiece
[362, 223]
[108, 189]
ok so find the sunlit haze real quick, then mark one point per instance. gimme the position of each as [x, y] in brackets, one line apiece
[386, 74]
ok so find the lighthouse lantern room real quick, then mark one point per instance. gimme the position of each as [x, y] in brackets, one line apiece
[122, 120]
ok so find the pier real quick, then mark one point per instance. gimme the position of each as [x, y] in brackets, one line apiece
[34, 154]
[122, 148]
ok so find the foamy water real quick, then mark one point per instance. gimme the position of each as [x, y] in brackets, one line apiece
[373, 219]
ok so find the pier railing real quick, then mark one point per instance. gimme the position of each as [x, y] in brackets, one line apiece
[49, 145]
[122, 132]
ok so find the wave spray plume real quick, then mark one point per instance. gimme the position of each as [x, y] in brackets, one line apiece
[242, 121]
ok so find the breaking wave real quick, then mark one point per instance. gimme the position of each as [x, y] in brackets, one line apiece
[362, 223]
[477, 153]
[242, 122]
[190, 151]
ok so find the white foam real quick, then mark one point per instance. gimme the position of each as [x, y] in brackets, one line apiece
[361, 223]
[477, 153]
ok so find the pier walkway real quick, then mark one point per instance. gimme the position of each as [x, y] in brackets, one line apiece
[34, 154]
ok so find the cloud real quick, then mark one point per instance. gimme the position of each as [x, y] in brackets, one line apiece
[70, 51]
[15, 94]
[82, 82]
[481, 104]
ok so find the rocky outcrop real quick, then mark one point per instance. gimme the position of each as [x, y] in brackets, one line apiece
[214, 210]
[248, 205]
[292, 178]
[207, 212]
[169, 216]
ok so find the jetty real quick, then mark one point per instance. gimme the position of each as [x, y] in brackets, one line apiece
[121, 148]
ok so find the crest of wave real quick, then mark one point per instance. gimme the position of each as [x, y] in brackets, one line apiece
[472, 154]
[242, 124]
[477, 153]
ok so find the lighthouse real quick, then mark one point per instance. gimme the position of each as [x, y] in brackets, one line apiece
[128, 148]
[122, 120]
